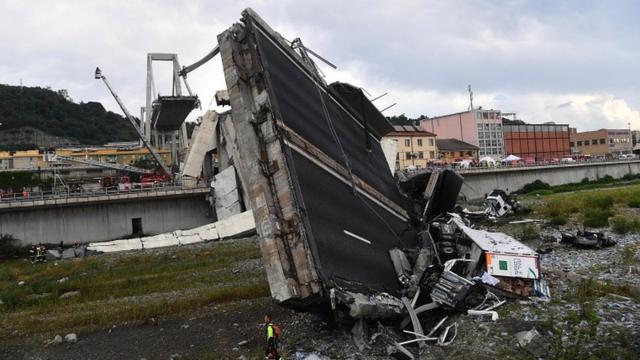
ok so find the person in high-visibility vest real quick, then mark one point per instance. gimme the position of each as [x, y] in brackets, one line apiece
[273, 335]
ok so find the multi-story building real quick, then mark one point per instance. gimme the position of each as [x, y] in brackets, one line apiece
[27, 159]
[414, 146]
[538, 141]
[603, 142]
[482, 128]
[452, 150]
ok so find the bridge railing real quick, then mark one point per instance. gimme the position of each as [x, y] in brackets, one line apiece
[523, 166]
[84, 193]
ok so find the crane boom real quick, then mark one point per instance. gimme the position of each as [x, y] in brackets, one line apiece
[154, 154]
[121, 167]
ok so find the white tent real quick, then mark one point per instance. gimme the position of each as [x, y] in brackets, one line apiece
[511, 158]
[488, 159]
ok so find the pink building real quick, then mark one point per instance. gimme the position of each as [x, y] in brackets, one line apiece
[482, 128]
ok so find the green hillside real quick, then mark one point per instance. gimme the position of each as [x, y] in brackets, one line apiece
[55, 113]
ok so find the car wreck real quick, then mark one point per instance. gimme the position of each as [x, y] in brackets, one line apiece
[336, 229]
[496, 204]
[586, 239]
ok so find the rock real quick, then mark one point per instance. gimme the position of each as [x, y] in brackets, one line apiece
[525, 337]
[71, 338]
[57, 340]
[64, 279]
[69, 294]
[20, 283]
[1, 302]
[243, 342]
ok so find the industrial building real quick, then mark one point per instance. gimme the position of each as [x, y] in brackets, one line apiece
[536, 141]
[482, 128]
[34, 159]
[603, 142]
[414, 146]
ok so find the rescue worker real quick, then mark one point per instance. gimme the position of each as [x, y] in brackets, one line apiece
[273, 335]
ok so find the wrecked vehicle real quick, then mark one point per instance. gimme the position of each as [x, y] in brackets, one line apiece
[496, 204]
[587, 239]
[336, 230]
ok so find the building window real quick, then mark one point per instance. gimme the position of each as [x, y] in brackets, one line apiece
[419, 142]
[430, 141]
[571, 144]
[407, 142]
[579, 143]
[594, 142]
[407, 155]
[431, 154]
[603, 141]
[420, 155]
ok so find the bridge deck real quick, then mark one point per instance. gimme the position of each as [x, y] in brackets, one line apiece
[70, 199]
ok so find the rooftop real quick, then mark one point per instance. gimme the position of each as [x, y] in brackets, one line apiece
[454, 145]
[400, 129]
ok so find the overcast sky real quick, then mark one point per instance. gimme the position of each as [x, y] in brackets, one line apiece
[575, 62]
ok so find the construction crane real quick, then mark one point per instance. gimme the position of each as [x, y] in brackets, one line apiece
[120, 167]
[154, 154]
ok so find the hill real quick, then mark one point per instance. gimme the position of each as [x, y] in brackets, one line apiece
[55, 113]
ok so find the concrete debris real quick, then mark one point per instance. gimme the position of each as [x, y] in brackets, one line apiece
[238, 225]
[358, 331]
[71, 338]
[70, 294]
[525, 337]
[227, 193]
[234, 226]
[493, 314]
[202, 143]
[57, 340]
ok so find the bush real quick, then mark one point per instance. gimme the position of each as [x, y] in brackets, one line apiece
[534, 186]
[623, 225]
[528, 232]
[602, 202]
[596, 217]
[558, 219]
[9, 248]
[634, 201]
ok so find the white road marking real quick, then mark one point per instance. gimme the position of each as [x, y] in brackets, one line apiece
[357, 237]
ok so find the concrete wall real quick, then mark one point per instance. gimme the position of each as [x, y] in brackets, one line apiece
[104, 221]
[479, 183]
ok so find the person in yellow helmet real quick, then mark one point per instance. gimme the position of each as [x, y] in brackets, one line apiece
[273, 335]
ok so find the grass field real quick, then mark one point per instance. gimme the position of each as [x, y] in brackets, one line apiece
[594, 207]
[127, 287]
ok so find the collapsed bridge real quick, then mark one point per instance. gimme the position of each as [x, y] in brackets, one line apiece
[336, 229]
